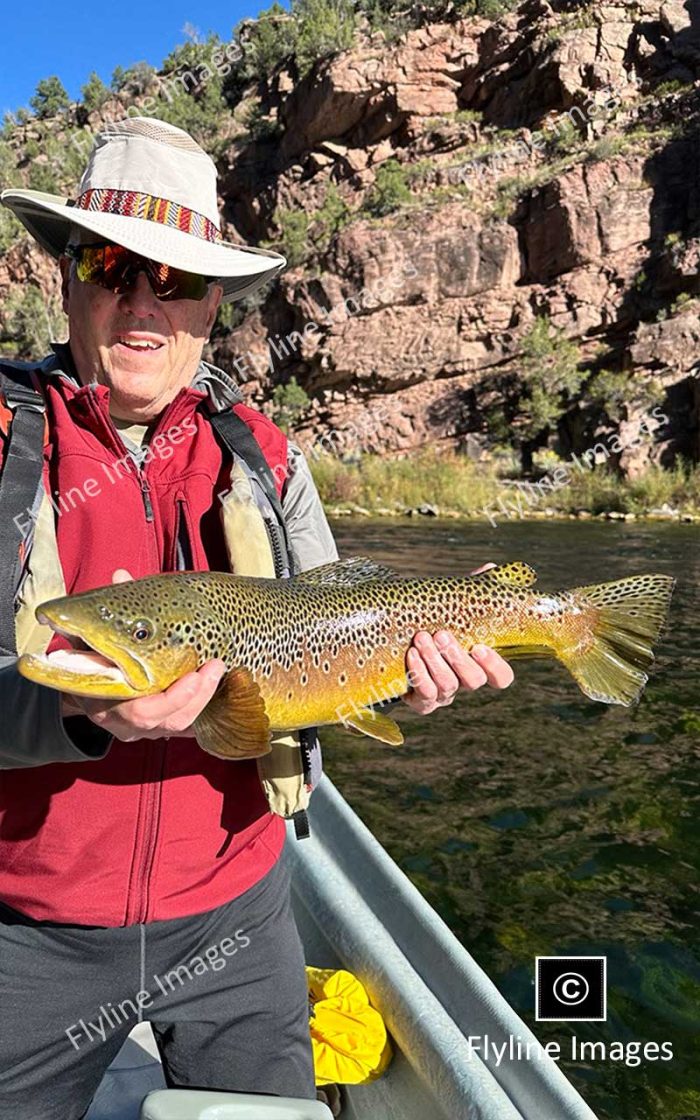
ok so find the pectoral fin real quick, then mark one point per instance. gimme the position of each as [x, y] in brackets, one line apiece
[368, 722]
[234, 723]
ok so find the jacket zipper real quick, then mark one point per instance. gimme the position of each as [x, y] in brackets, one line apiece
[146, 831]
[145, 494]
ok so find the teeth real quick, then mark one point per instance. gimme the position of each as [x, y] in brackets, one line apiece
[141, 345]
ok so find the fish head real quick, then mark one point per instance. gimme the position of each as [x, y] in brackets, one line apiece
[130, 639]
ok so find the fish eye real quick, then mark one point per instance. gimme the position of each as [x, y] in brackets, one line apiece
[142, 631]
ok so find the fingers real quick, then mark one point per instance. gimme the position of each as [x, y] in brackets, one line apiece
[439, 667]
[209, 677]
[498, 672]
[431, 676]
[483, 568]
[166, 713]
[121, 576]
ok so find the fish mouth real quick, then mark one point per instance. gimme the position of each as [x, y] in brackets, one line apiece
[85, 670]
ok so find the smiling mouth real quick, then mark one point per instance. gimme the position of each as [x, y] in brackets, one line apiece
[140, 345]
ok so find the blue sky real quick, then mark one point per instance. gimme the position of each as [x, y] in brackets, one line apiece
[71, 39]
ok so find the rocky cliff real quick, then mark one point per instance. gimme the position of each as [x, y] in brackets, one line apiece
[450, 196]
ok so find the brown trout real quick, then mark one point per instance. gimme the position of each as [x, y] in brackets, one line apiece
[329, 645]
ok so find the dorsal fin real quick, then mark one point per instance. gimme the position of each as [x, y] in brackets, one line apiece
[515, 574]
[357, 569]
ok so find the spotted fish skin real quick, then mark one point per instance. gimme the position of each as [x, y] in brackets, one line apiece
[308, 650]
[315, 649]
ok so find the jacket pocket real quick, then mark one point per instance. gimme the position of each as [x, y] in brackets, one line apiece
[181, 554]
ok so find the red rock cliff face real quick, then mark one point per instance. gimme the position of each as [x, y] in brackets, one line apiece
[549, 169]
[547, 179]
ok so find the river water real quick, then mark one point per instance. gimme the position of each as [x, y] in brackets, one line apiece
[538, 822]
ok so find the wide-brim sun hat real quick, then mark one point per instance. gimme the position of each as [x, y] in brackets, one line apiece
[149, 187]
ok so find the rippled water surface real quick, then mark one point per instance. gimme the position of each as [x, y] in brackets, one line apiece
[538, 822]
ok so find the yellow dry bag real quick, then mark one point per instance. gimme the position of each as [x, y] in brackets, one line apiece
[349, 1039]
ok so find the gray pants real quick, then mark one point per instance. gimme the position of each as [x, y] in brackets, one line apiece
[225, 992]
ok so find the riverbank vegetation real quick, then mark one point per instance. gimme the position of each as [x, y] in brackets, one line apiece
[450, 484]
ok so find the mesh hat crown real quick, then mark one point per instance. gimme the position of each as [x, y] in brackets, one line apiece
[149, 187]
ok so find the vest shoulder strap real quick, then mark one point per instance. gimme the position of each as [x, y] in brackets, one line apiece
[236, 436]
[20, 480]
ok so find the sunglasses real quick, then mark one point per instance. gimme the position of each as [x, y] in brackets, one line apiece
[115, 268]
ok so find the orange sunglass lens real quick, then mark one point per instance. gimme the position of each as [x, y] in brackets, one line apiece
[115, 268]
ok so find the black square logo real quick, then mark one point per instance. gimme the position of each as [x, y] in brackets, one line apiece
[570, 988]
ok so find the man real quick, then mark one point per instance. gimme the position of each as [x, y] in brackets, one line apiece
[139, 876]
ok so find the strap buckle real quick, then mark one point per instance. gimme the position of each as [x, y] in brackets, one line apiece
[22, 396]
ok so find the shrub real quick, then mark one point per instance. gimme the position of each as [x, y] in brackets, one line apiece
[333, 216]
[392, 18]
[325, 27]
[10, 228]
[266, 42]
[191, 92]
[565, 137]
[194, 55]
[615, 392]
[681, 300]
[258, 125]
[118, 79]
[94, 92]
[549, 381]
[289, 402]
[508, 191]
[233, 313]
[293, 239]
[135, 80]
[49, 98]
[311, 30]
[9, 175]
[551, 374]
[42, 177]
[27, 323]
[390, 190]
[606, 148]
[69, 157]
[302, 233]
[492, 9]
[385, 18]
[197, 113]
[426, 476]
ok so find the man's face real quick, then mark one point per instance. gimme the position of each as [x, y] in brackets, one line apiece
[109, 333]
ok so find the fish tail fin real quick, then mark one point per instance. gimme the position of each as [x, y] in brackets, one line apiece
[626, 617]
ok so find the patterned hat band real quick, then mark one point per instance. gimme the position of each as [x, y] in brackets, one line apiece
[135, 204]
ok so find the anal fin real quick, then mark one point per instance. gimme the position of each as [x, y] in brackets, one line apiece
[368, 722]
[234, 723]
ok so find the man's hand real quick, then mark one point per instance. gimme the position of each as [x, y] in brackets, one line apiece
[167, 713]
[439, 667]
